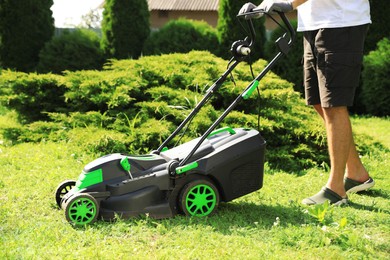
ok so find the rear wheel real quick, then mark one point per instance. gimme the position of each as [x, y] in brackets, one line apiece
[62, 190]
[81, 209]
[199, 198]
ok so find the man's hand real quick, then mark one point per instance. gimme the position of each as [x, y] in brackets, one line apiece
[249, 7]
[270, 6]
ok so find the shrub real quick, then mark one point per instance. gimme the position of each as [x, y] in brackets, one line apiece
[380, 26]
[181, 36]
[375, 93]
[145, 99]
[125, 27]
[73, 50]
[25, 27]
[32, 95]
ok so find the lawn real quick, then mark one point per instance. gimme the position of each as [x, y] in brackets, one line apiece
[267, 224]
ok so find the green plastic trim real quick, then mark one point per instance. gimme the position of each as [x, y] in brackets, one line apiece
[87, 179]
[125, 164]
[186, 168]
[221, 130]
[249, 92]
[165, 149]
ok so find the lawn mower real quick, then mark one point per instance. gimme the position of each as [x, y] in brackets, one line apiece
[191, 178]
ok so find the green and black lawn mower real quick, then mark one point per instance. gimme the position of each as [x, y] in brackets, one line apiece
[191, 178]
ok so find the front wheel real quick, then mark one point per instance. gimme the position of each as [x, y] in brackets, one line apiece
[81, 209]
[62, 190]
[199, 198]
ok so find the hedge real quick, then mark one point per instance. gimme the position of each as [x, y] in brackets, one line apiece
[146, 99]
[375, 92]
[182, 36]
[73, 50]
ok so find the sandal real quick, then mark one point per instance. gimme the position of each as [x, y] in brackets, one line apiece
[323, 195]
[352, 186]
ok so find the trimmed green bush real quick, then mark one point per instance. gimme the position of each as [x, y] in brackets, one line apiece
[25, 27]
[73, 50]
[181, 36]
[375, 93]
[32, 95]
[146, 99]
[125, 27]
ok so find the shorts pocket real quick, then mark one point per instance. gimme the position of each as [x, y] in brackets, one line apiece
[343, 69]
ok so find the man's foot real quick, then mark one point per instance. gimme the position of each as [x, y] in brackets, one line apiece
[352, 186]
[323, 195]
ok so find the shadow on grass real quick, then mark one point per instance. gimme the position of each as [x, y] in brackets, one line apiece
[233, 217]
[230, 218]
[376, 193]
[253, 215]
[371, 208]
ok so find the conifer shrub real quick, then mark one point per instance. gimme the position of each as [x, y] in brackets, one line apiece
[32, 95]
[25, 27]
[125, 27]
[182, 36]
[72, 50]
[375, 92]
[144, 100]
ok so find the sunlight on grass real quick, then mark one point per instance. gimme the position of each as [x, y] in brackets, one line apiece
[377, 128]
[269, 224]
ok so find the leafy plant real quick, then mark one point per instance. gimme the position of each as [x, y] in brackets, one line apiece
[125, 27]
[375, 93]
[32, 95]
[182, 36]
[162, 90]
[72, 50]
[25, 27]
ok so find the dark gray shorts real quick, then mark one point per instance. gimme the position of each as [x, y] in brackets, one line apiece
[332, 64]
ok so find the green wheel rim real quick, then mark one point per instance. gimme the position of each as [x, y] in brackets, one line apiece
[201, 200]
[82, 211]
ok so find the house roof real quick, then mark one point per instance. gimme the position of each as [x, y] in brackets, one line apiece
[183, 5]
[180, 5]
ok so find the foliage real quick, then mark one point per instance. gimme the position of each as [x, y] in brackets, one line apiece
[375, 93]
[290, 67]
[182, 36]
[231, 29]
[130, 96]
[25, 26]
[380, 26]
[32, 95]
[72, 50]
[125, 27]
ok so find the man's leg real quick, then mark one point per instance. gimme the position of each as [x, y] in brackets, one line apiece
[339, 133]
[354, 167]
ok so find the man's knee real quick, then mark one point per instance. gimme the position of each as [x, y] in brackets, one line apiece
[334, 112]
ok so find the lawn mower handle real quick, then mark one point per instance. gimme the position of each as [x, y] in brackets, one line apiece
[240, 51]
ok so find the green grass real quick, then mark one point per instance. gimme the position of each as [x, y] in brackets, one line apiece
[267, 224]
